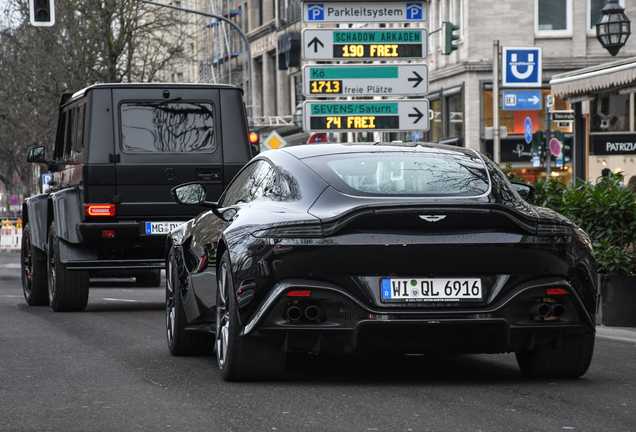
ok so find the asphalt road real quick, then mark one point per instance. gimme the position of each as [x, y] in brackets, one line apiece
[108, 369]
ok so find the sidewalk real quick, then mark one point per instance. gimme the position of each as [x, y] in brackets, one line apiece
[623, 334]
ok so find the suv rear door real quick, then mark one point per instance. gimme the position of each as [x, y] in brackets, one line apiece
[165, 137]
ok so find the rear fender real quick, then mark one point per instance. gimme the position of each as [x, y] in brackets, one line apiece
[35, 214]
[67, 214]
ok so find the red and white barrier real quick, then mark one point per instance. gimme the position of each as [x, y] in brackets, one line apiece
[10, 239]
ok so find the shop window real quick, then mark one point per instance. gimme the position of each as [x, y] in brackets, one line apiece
[553, 17]
[455, 114]
[448, 115]
[609, 112]
[514, 120]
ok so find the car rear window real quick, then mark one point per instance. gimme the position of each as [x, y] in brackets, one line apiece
[415, 174]
[173, 127]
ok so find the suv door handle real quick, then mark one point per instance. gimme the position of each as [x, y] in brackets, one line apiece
[208, 175]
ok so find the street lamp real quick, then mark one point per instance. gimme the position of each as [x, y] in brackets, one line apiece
[613, 29]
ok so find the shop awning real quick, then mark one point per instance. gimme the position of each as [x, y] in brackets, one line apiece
[606, 75]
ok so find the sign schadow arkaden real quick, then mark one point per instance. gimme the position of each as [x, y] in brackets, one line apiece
[365, 80]
[363, 12]
[355, 45]
[381, 116]
[522, 100]
[521, 67]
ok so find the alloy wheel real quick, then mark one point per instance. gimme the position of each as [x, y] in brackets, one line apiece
[222, 318]
[170, 301]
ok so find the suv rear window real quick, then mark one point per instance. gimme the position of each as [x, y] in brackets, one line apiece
[400, 174]
[169, 127]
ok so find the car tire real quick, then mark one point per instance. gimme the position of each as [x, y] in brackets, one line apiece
[150, 279]
[34, 279]
[68, 289]
[180, 341]
[241, 358]
[568, 358]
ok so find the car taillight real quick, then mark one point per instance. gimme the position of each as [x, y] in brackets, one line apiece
[555, 291]
[100, 209]
[108, 233]
[299, 293]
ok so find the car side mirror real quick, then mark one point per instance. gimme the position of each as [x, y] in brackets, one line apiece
[192, 194]
[189, 194]
[36, 155]
[525, 190]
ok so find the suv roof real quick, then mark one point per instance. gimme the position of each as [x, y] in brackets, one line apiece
[70, 97]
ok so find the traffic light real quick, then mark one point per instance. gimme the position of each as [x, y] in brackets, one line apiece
[449, 37]
[255, 144]
[42, 13]
[538, 146]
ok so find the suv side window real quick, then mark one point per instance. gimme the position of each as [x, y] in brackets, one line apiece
[248, 186]
[58, 153]
[70, 132]
[79, 141]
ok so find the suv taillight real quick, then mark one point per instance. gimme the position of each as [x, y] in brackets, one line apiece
[100, 209]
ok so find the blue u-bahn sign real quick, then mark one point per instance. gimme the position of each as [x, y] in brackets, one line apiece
[521, 67]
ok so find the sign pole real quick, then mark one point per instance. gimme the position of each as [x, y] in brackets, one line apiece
[548, 133]
[495, 103]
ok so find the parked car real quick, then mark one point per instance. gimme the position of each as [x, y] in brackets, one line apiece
[119, 150]
[407, 248]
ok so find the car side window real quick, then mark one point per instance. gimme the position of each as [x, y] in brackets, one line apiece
[248, 186]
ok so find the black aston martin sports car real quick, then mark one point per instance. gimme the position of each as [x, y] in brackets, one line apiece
[405, 248]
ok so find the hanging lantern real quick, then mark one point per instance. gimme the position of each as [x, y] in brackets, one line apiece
[613, 28]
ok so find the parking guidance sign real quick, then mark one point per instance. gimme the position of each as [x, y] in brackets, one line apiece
[381, 116]
[361, 12]
[522, 66]
[355, 45]
[365, 80]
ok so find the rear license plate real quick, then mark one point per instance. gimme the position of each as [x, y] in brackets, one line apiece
[160, 227]
[431, 290]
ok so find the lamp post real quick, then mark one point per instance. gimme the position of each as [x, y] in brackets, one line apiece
[613, 28]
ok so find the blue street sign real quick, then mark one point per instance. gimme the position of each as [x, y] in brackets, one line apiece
[521, 66]
[522, 100]
[527, 128]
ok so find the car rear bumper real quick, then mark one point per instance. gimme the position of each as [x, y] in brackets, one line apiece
[343, 324]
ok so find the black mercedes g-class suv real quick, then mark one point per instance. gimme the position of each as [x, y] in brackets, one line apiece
[119, 150]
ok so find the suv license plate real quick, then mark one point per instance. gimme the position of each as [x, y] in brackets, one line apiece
[431, 290]
[161, 227]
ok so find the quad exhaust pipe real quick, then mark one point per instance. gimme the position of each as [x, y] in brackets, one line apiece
[310, 312]
[545, 310]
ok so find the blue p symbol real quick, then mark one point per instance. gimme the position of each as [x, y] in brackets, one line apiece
[316, 12]
[414, 11]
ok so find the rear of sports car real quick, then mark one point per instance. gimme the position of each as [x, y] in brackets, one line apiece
[428, 252]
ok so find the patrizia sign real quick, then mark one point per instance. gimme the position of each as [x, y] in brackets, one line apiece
[363, 12]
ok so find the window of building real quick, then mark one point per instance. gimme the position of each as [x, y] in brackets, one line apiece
[553, 18]
[610, 112]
